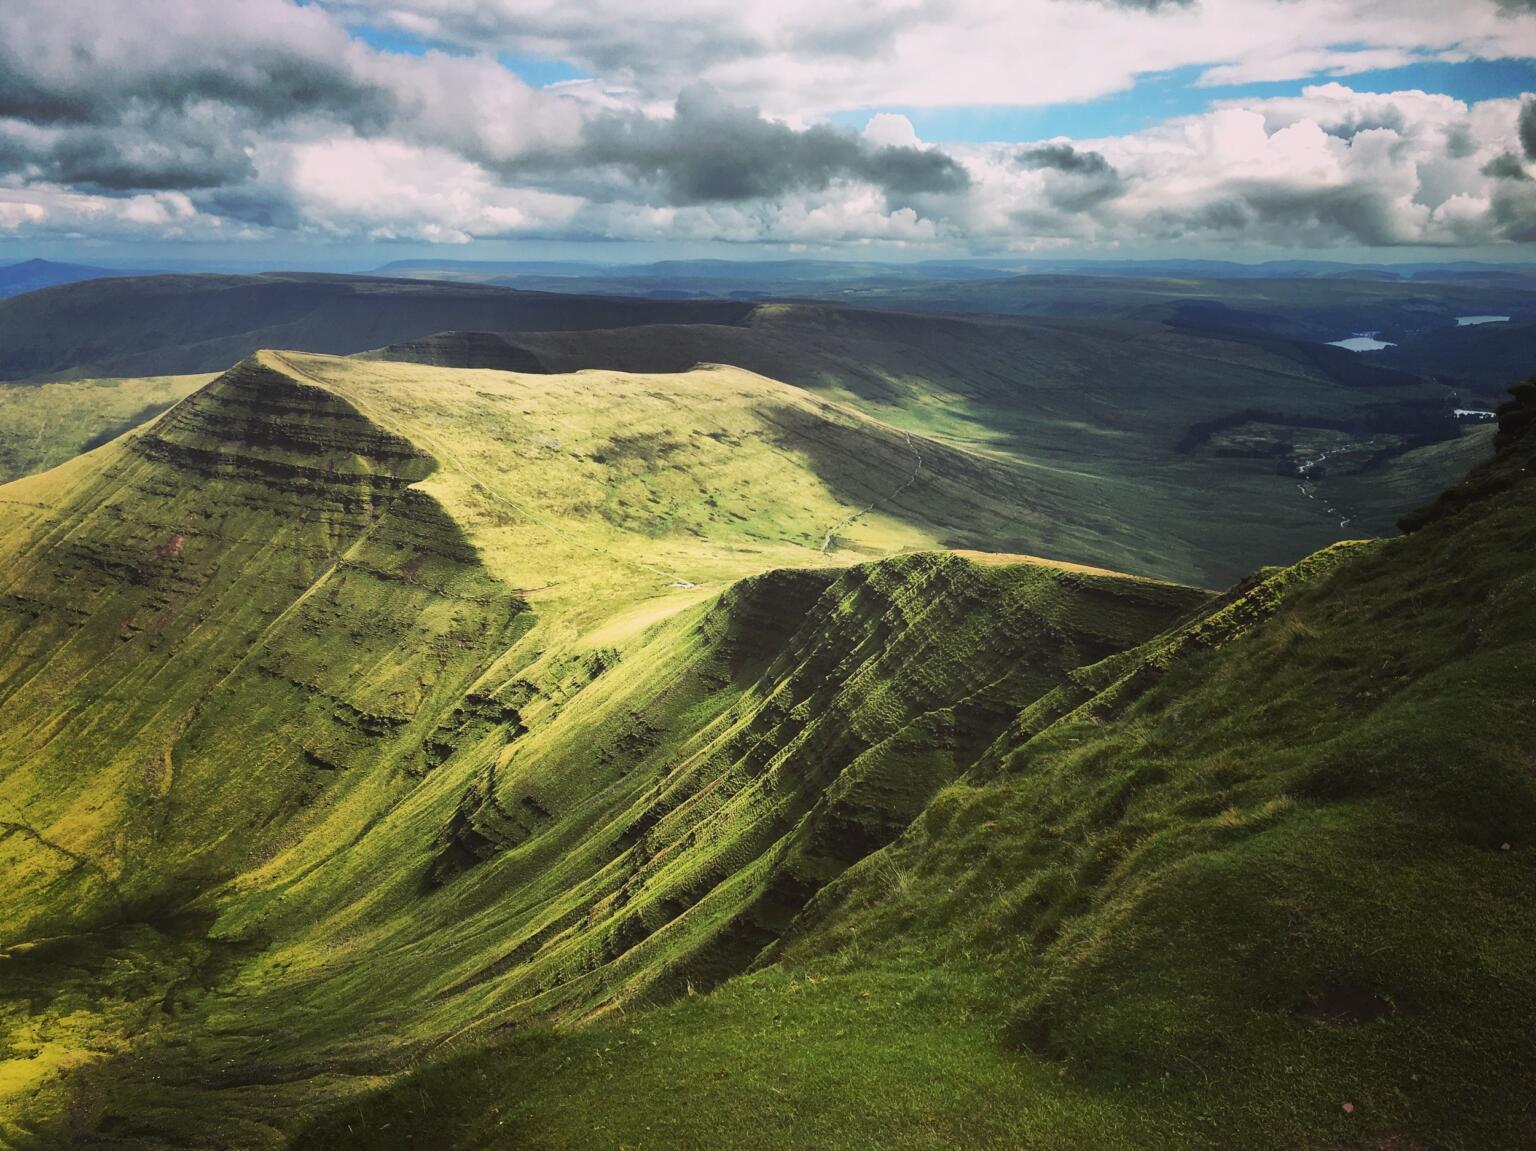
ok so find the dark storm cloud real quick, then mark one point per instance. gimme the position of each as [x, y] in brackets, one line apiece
[1076, 181]
[1459, 142]
[1506, 167]
[1319, 216]
[1513, 210]
[1528, 127]
[109, 98]
[153, 151]
[713, 151]
[1064, 158]
[260, 207]
[87, 62]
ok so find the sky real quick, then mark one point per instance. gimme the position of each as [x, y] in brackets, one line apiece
[346, 133]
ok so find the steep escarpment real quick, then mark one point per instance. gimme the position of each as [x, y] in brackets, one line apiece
[288, 750]
[606, 828]
[257, 421]
[596, 829]
[466, 350]
[198, 621]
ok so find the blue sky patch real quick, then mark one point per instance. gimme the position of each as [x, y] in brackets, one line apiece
[1160, 96]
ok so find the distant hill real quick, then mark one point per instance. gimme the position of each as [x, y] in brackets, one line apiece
[176, 324]
[31, 275]
[1207, 438]
[1293, 316]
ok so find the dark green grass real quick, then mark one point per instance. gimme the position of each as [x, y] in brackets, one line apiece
[1274, 863]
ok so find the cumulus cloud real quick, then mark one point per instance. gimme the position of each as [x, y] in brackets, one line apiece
[711, 150]
[1506, 166]
[1064, 158]
[708, 120]
[1075, 181]
[1328, 167]
[799, 56]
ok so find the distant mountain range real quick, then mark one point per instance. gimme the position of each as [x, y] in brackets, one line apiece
[30, 275]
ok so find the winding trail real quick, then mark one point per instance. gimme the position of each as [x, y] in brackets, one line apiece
[826, 543]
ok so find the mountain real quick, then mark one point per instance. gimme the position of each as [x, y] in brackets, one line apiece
[1293, 316]
[451, 699]
[30, 275]
[1259, 882]
[614, 758]
[1237, 454]
[796, 277]
[178, 324]
[1146, 448]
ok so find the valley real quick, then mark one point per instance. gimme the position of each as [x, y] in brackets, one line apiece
[468, 740]
[911, 575]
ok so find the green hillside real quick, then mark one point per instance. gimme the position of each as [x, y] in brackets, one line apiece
[1238, 455]
[1138, 447]
[1261, 882]
[43, 425]
[396, 755]
[389, 705]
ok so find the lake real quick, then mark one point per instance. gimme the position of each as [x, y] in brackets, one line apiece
[1365, 342]
[1469, 321]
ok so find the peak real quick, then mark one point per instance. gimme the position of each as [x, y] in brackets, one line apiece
[269, 416]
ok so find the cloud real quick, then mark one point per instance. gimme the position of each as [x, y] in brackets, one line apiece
[707, 119]
[1328, 167]
[892, 130]
[1075, 181]
[1065, 158]
[711, 150]
[1505, 166]
[95, 61]
[806, 57]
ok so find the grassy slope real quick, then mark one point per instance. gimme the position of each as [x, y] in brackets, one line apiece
[1107, 418]
[1273, 863]
[352, 707]
[41, 426]
[1111, 419]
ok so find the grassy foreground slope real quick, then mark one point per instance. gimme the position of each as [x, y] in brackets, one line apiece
[1262, 882]
[353, 709]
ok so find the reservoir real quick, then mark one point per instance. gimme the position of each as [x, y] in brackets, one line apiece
[1364, 342]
